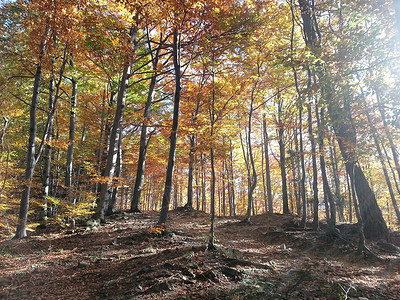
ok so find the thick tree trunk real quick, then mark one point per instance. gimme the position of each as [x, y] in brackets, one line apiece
[174, 132]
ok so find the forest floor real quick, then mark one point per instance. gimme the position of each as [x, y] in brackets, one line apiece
[271, 258]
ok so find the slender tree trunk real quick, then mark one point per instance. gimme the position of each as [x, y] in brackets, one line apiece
[389, 136]
[144, 139]
[331, 218]
[31, 158]
[303, 173]
[335, 174]
[267, 167]
[173, 137]
[109, 171]
[47, 162]
[223, 190]
[232, 207]
[71, 139]
[118, 171]
[211, 240]
[385, 172]
[282, 161]
[105, 188]
[252, 173]
[203, 185]
[197, 189]
[350, 192]
[374, 225]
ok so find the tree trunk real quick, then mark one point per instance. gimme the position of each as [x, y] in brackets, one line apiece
[174, 132]
[270, 206]
[389, 136]
[47, 162]
[335, 174]
[105, 188]
[71, 139]
[374, 224]
[303, 173]
[144, 139]
[282, 160]
[315, 171]
[111, 208]
[331, 218]
[116, 130]
[211, 239]
[31, 158]
[385, 172]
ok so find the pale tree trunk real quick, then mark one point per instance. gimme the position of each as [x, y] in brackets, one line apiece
[331, 218]
[174, 132]
[303, 221]
[249, 160]
[282, 160]
[389, 137]
[203, 184]
[118, 171]
[232, 201]
[144, 136]
[105, 188]
[71, 138]
[270, 205]
[31, 157]
[373, 224]
[47, 162]
[189, 203]
[211, 238]
[335, 174]
[385, 172]
[315, 224]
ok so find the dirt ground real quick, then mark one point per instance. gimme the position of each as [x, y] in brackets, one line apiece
[271, 258]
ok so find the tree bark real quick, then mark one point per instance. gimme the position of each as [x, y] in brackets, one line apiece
[105, 187]
[71, 138]
[174, 132]
[374, 225]
[315, 171]
[282, 160]
[47, 162]
[144, 139]
[331, 218]
[270, 206]
[385, 172]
